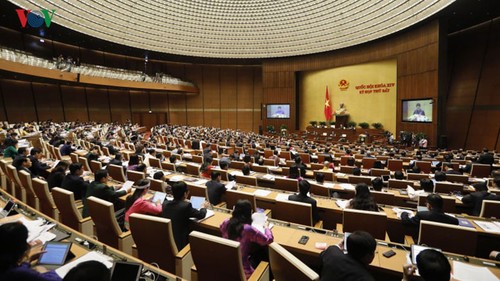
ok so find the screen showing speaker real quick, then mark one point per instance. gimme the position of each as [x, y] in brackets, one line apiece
[417, 110]
[278, 111]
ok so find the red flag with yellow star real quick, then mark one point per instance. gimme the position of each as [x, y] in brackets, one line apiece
[328, 108]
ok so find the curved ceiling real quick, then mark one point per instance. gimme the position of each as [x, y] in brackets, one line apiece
[238, 28]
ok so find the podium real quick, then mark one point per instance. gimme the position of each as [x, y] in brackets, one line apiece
[341, 120]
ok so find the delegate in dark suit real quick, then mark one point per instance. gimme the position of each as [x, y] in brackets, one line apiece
[304, 187]
[435, 213]
[180, 212]
[99, 189]
[306, 199]
[75, 184]
[215, 189]
[475, 199]
[486, 158]
[337, 266]
[38, 168]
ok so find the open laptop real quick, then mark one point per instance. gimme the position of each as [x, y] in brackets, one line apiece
[7, 209]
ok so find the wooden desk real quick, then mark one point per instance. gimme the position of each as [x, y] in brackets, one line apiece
[76, 248]
[288, 236]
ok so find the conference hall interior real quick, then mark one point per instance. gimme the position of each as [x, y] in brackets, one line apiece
[251, 140]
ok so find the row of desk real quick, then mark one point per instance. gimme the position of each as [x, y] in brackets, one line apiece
[81, 243]
[288, 235]
[332, 214]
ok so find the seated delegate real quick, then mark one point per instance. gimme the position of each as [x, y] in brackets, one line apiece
[435, 213]
[239, 228]
[15, 261]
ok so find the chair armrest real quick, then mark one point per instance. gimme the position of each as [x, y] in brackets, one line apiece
[85, 219]
[340, 228]
[221, 205]
[268, 213]
[135, 252]
[182, 253]
[183, 262]
[261, 272]
[125, 234]
[319, 224]
[409, 240]
[194, 273]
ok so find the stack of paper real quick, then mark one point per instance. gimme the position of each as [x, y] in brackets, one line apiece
[268, 177]
[488, 226]
[201, 182]
[176, 178]
[465, 271]
[342, 203]
[399, 211]
[282, 197]
[347, 186]
[262, 193]
[230, 184]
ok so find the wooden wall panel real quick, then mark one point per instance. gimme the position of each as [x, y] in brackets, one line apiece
[177, 109]
[75, 103]
[257, 99]
[194, 104]
[159, 102]
[211, 96]
[119, 105]
[3, 114]
[98, 102]
[139, 101]
[484, 129]
[19, 102]
[228, 98]
[245, 99]
[473, 103]
[48, 102]
[245, 120]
